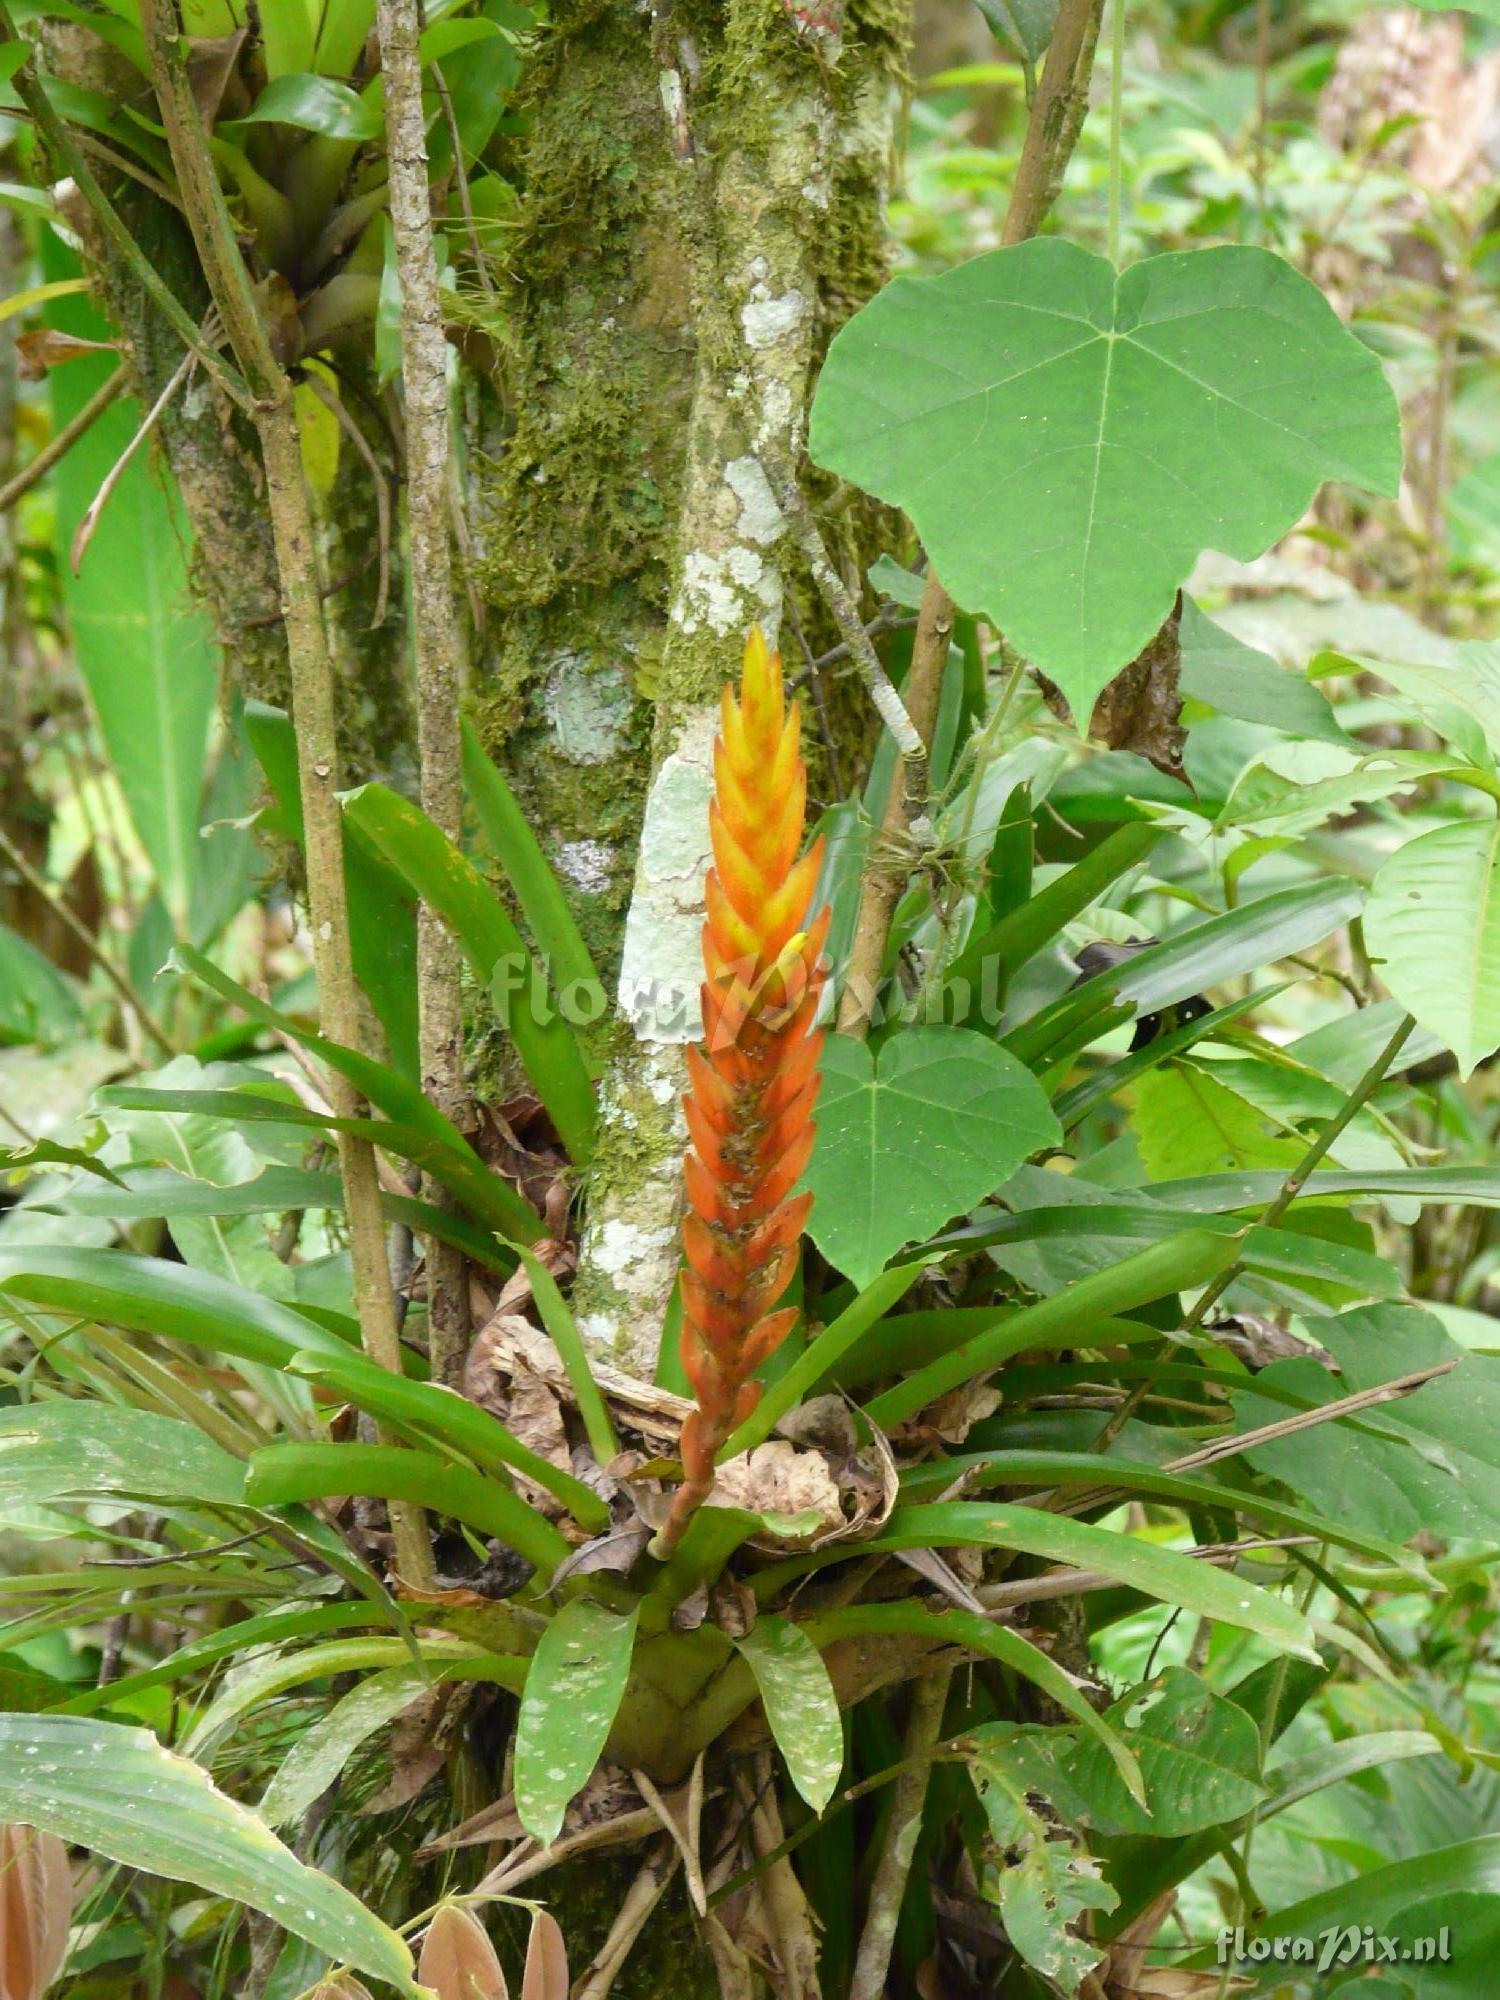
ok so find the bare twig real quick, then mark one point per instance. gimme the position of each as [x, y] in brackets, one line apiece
[929, 1696]
[83, 534]
[892, 851]
[58, 446]
[435, 625]
[313, 708]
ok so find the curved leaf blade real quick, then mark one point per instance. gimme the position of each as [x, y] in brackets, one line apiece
[117, 1792]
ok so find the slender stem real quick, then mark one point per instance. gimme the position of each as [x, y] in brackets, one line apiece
[1290, 1188]
[63, 442]
[1056, 118]
[892, 850]
[59, 908]
[435, 625]
[313, 708]
[1116, 125]
[929, 1697]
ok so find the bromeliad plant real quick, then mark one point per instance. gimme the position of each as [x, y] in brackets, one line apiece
[1084, 1348]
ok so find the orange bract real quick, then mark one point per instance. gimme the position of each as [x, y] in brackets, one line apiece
[755, 1078]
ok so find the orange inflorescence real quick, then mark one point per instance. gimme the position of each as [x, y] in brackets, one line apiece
[755, 1078]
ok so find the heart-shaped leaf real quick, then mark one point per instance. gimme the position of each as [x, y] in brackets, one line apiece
[1067, 441]
[919, 1136]
[1432, 929]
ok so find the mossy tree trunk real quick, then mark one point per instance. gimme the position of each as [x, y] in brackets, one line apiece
[701, 205]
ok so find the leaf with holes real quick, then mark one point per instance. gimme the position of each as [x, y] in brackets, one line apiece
[1432, 929]
[1199, 1756]
[1067, 440]
[917, 1136]
[573, 1692]
[800, 1705]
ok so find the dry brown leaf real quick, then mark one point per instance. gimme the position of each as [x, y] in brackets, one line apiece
[507, 1374]
[44, 347]
[778, 1478]
[546, 1974]
[36, 1904]
[419, 1745]
[458, 1961]
[342, 1988]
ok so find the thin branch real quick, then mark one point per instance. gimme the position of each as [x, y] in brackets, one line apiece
[83, 534]
[1290, 1188]
[57, 447]
[59, 908]
[929, 1697]
[436, 631]
[891, 709]
[313, 708]
[892, 850]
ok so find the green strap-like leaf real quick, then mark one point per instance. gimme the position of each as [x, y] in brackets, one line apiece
[1184, 1261]
[463, 1426]
[450, 884]
[979, 1635]
[283, 1472]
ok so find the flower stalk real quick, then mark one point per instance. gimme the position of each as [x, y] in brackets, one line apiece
[754, 1078]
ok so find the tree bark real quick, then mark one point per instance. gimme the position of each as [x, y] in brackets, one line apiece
[703, 206]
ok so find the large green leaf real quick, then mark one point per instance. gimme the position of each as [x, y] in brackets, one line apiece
[800, 1705]
[1199, 1756]
[1222, 671]
[382, 909]
[37, 1004]
[1432, 928]
[117, 1792]
[1067, 441]
[49, 1451]
[573, 1693]
[144, 651]
[912, 1137]
[1430, 1461]
[1187, 1122]
[1375, 1898]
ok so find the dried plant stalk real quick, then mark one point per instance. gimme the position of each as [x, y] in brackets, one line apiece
[755, 1078]
[36, 1904]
